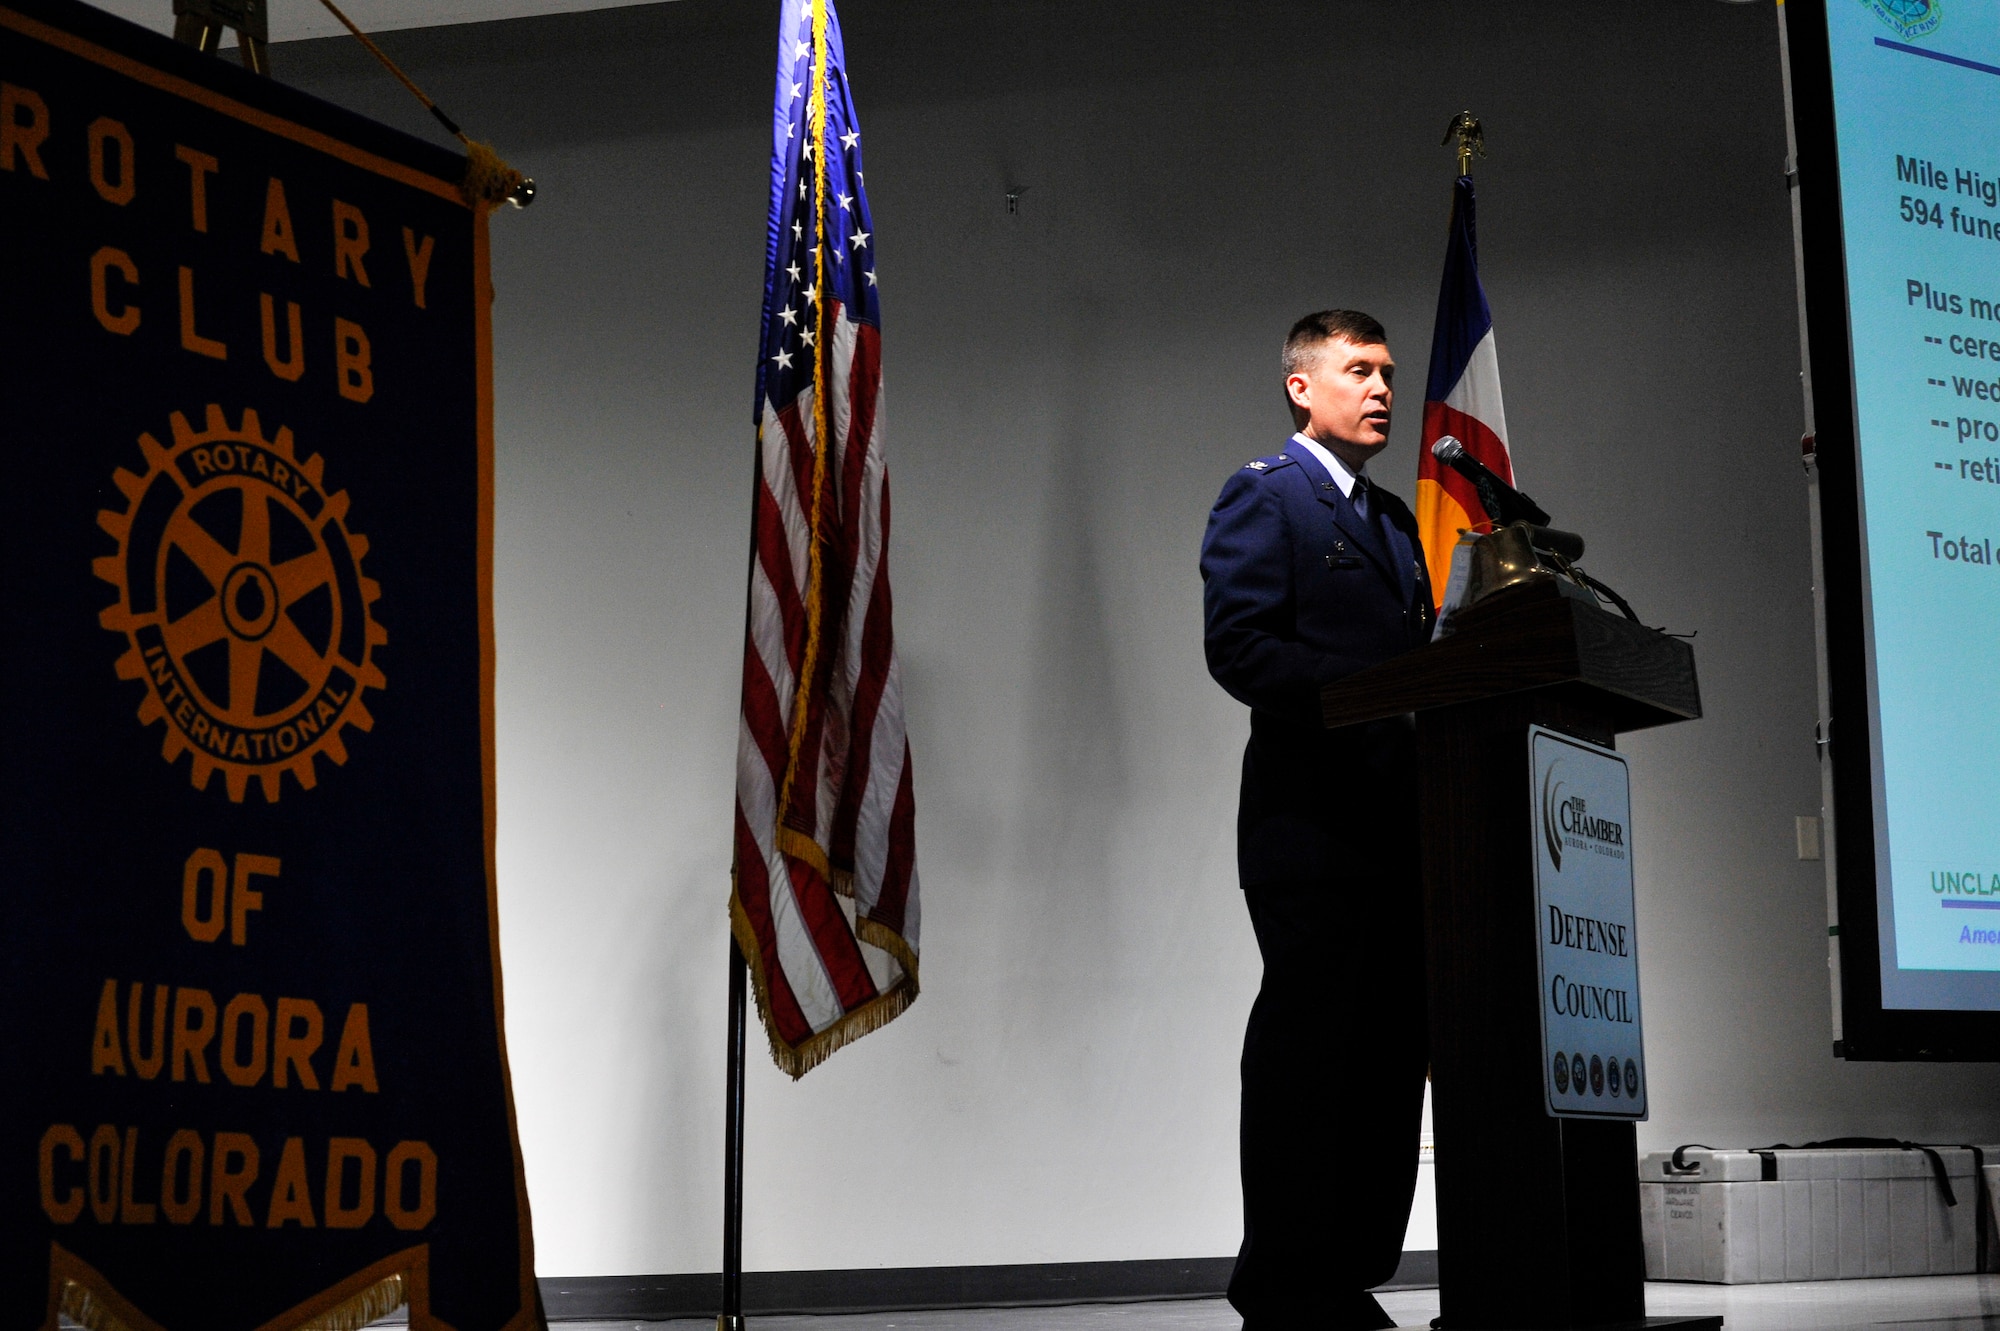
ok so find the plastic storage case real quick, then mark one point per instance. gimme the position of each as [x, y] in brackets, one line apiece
[1750, 1217]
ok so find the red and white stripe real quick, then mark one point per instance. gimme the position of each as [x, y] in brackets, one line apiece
[1473, 413]
[826, 905]
[1474, 403]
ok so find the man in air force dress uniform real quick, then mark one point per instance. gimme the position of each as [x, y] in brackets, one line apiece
[1310, 572]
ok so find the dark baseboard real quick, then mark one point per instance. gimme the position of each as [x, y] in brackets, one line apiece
[898, 1289]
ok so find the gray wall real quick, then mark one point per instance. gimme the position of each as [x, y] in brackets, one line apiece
[1067, 388]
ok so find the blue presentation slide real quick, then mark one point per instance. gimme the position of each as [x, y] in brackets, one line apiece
[1917, 96]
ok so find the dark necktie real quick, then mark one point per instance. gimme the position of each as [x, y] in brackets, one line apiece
[1362, 497]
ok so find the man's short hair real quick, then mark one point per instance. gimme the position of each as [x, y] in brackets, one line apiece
[1314, 331]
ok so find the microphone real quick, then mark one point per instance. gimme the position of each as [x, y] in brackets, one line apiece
[1502, 502]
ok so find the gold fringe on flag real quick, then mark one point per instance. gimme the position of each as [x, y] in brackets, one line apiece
[871, 1016]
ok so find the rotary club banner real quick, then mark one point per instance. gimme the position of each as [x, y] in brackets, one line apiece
[253, 1062]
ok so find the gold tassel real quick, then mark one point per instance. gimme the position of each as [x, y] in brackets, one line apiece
[489, 182]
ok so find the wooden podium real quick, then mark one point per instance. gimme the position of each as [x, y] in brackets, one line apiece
[1538, 1217]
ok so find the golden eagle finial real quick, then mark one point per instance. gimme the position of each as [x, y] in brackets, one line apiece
[1471, 140]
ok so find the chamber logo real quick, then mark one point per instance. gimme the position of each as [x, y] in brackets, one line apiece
[1567, 821]
[242, 603]
[1910, 18]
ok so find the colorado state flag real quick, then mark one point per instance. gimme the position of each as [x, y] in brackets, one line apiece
[1461, 397]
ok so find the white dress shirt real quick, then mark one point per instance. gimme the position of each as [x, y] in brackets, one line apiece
[1343, 475]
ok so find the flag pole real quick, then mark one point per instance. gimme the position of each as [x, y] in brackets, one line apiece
[731, 1318]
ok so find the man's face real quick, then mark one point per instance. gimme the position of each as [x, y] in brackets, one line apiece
[1346, 394]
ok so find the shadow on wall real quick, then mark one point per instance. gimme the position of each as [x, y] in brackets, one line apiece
[677, 973]
[1071, 714]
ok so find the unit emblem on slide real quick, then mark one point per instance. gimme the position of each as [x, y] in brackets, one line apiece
[242, 603]
[1910, 18]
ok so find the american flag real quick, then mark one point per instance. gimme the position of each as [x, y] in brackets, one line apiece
[1461, 397]
[824, 900]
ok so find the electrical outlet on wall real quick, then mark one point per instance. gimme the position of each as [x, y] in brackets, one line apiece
[1808, 834]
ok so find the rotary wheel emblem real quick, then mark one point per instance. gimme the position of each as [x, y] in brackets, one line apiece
[241, 597]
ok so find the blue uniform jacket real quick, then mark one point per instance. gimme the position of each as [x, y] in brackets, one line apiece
[1298, 591]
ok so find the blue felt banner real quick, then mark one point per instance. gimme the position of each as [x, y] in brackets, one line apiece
[253, 1065]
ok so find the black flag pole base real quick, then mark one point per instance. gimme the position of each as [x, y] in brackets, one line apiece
[731, 1316]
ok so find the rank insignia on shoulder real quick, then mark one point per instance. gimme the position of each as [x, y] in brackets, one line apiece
[1269, 464]
[1258, 465]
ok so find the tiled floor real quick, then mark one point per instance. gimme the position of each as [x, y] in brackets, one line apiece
[1932, 1303]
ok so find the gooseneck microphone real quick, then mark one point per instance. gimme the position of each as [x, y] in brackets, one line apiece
[1502, 502]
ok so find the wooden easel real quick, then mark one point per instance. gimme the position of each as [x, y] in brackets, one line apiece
[199, 23]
